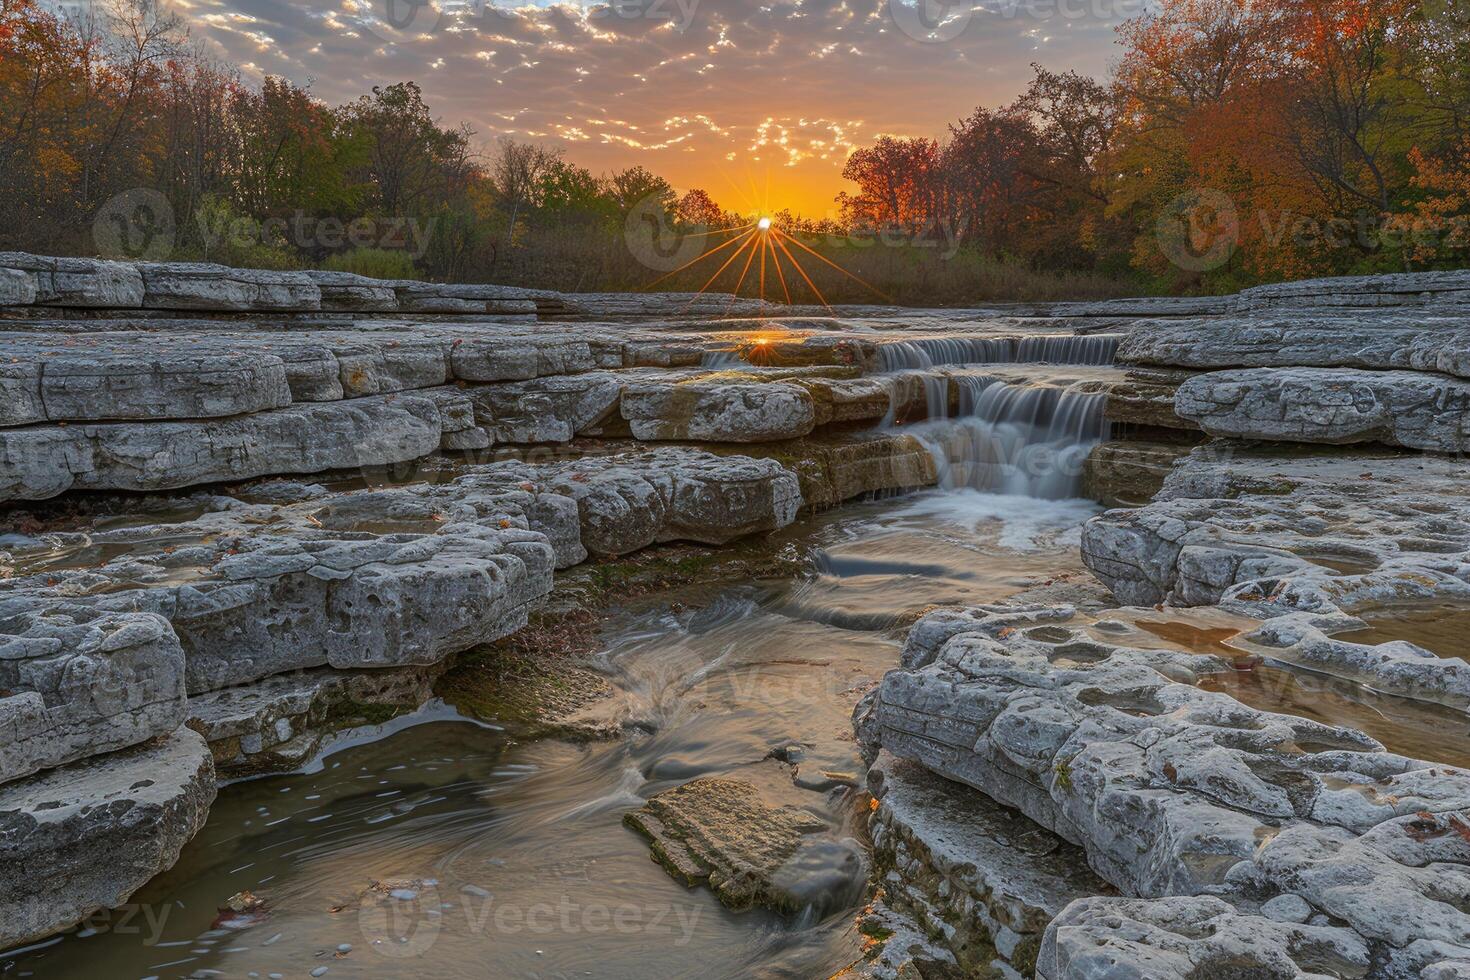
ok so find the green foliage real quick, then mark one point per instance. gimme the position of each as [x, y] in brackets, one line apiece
[222, 234]
[377, 263]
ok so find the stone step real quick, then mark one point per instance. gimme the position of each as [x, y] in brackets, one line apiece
[86, 836]
[982, 879]
[1380, 342]
[1332, 406]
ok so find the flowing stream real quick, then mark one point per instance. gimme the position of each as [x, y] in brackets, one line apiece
[442, 847]
[438, 846]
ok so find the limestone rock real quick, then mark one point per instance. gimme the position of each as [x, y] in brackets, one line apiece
[249, 605]
[631, 501]
[1355, 531]
[1146, 397]
[835, 469]
[43, 461]
[1432, 289]
[554, 409]
[715, 412]
[1129, 473]
[83, 283]
[110, 376]
[81, 683]
[718, 832]
[206, 286]
[86, 836]
[1331, 406]
[1187, 938]
[1072, 732]
[18, 287]
[1376, 342]
[983, 880]
[346, 291]
[279, 722]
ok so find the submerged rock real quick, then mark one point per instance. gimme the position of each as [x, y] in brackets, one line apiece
[86, 836]
[719, 832]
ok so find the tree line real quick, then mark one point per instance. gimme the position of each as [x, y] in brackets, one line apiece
[1234, 141]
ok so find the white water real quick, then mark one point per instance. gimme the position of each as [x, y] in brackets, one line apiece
[929, 352]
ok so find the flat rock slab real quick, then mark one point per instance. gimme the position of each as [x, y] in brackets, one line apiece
[86, 836]
[1447, 288]
[42, 461]
[718, 832]
[80, 682]
[106, 376]
[399, 576]
[710, 411]
[82, 283]
[206, 286]
[1332, 406]
[1176, 791]
[1376, 342]
[251, 605]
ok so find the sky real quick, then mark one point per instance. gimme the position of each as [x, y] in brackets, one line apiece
[758, 103]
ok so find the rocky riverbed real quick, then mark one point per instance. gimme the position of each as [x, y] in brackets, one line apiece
[494, 577]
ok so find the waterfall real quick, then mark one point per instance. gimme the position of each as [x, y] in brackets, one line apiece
[925, 353]
[722, 359]
[1094, 349]
[1016, 438]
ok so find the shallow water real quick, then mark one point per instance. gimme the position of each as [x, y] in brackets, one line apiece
[449, 849]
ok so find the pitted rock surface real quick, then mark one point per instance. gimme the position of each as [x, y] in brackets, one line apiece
[1332, 406]
[42, 461]
[78, 682]
[86, 836]
[1176, 791]
[1139, 939]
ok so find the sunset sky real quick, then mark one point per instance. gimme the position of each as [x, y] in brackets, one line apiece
[734, 96]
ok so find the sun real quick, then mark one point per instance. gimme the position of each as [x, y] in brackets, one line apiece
[760, 238]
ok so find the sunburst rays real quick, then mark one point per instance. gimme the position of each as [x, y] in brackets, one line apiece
[762, 244]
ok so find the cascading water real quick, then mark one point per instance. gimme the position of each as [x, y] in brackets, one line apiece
[722, 359]
[1016, 439]
[925, 353]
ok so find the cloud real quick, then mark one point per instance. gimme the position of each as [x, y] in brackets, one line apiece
[720, 94]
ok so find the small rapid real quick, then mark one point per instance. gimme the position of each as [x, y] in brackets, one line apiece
[1026, 439]
[925, 353]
